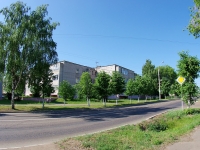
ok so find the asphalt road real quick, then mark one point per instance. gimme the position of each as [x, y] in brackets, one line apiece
[25, 129]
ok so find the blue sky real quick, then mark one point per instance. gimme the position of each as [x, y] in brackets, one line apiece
[123, 32]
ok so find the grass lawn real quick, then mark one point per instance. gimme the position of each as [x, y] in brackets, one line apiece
[28, 105]
[149, 135]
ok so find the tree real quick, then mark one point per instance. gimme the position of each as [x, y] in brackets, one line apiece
[194, 25]
[130, 88]
[86, 86]
[102, 86]
[117, 84]
[138, 86]
[175, 89]
[150, 71]
[148, 68]
[168, 77]
[41, 81]
[165, 87]
[189, 68]
[66, 90]
[25, 41]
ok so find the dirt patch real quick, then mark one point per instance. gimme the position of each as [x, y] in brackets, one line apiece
[71, 144]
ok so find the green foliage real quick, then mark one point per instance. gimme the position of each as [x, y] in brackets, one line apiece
[85, 85]
[131, 137]
[25, 41]
[117, 84]
[194, 25]
[102, 85]
[189, 68]
[148, 68]
[175, 89]
[156, 125]
[168, 78]
[165, 87]
[191, 111]
[131, 87]
[66, 90]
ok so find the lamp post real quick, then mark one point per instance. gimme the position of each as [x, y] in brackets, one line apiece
[159, 82]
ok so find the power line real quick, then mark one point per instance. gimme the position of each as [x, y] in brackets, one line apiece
[124, 37]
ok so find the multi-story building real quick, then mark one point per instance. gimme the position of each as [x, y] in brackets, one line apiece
[65, 70]
[71, 72]
[126, 73]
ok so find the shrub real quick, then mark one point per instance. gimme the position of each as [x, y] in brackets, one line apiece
[157, 125]
[154, 125]
[191, 111]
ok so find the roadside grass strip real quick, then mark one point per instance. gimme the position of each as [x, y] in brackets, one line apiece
[58, 104]
[151, 134]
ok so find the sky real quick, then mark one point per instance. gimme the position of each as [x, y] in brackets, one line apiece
[122, 32]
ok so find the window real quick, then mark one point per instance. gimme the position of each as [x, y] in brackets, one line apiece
[55, 77]
[124, 71]
[77, 70]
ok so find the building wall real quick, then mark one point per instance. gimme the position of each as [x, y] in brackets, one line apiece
[108, 69]
[126, 73]
[70, 72]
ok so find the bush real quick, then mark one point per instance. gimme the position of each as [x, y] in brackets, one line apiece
[158, 125]
[154, 125]
[191, 111]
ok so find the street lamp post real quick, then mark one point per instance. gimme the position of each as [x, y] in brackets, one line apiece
[159, 82]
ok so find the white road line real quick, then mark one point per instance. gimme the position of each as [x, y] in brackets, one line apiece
[24, 146]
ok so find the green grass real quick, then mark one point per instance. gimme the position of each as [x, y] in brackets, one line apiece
[58, 104]
[131, 137]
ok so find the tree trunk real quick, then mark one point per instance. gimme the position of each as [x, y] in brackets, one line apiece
[88, 101]
[12, 97]
[130, 100]
[42, 101]
[189, 103]
[104, 101]
[138, 98]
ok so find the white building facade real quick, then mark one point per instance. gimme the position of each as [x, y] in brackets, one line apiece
[126, 73]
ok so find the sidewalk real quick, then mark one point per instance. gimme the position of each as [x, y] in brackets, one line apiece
[189, 141]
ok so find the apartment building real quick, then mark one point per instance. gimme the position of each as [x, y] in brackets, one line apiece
[70, 72]
[126, 73]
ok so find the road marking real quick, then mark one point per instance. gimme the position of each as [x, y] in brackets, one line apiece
[25, 146]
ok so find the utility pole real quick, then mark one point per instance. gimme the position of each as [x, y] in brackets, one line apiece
[159, 82]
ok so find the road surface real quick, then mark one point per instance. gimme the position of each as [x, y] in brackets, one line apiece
[25, 129]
